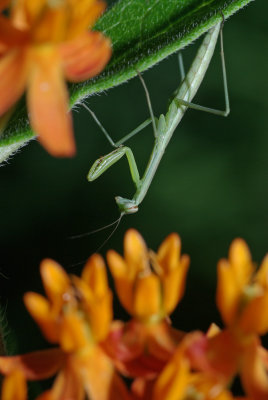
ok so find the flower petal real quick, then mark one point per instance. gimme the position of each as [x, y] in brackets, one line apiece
[218, 355]
[97, 307]
[34, 366]
[47, 395]
[136, 253]
[172, 382]
[73, 335]
[174, 284]
[123, 282]
[9, 35]
[14, 387]
[100, 380]
[262, 274]
[25, 13]
[85, 56]
[125, 341]
[163, 340]
[254, 373]
[55, 280]
[94, 274]
[117, 265]
[142, 389]
[168, 254]
[68, 384]
[40, 310]
[48, 103]
[228, 292]
[138, 350]
[125, 346]
[100, 316]
[147, 298]
[13, 70]
[254, 318]
[4, 4]
[84, 15]
[240, 259]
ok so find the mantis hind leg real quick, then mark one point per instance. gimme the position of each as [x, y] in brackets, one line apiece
[223, 113]
[106, 134]
[181, 66]
[148, 102]
[134, 131]
[94, 116]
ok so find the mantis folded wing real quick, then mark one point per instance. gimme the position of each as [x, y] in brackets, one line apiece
[165, 126]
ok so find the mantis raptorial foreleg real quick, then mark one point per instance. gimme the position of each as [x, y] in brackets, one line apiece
[105, 162]
[166, 125]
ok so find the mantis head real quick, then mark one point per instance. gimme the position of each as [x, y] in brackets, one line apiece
[126, 206]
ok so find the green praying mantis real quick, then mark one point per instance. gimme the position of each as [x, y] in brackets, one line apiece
[165, 126]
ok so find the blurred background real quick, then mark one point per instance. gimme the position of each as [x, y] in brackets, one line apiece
[211, 186]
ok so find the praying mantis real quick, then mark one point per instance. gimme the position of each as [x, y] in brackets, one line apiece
[165, 126]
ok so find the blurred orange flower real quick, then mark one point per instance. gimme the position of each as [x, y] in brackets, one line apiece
[177, 381]
[42, 43]
[242, 292]
[242, 299]
[76, 315]
[14, 387]
[149, 286]
[162, 362]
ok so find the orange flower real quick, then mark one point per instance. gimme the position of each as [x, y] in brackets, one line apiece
[222, 357]
[139, 350]
[162, 362]
[71, 302]
[41, 44]
[178, 382]
[242, 298]
[242, 293]
[14, 387]
[149, 286]
[76, 315]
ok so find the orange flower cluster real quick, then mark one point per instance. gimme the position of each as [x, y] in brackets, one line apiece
[93, 353]
[42, 43]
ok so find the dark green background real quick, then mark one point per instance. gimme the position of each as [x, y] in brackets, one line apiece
[211, 187]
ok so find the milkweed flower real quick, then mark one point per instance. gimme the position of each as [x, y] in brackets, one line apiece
[177, 380]
[14, 387]
[242, 299]
[76, 315]
[94, 353]
[149, 286]
[42, 43]
[242, 291]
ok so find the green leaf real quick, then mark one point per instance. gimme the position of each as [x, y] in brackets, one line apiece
[143, 32]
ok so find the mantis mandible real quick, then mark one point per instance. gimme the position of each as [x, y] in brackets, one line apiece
[165, 126]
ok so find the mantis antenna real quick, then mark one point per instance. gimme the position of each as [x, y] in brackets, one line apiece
[165, 126]
[116, 223]
[80, 235]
